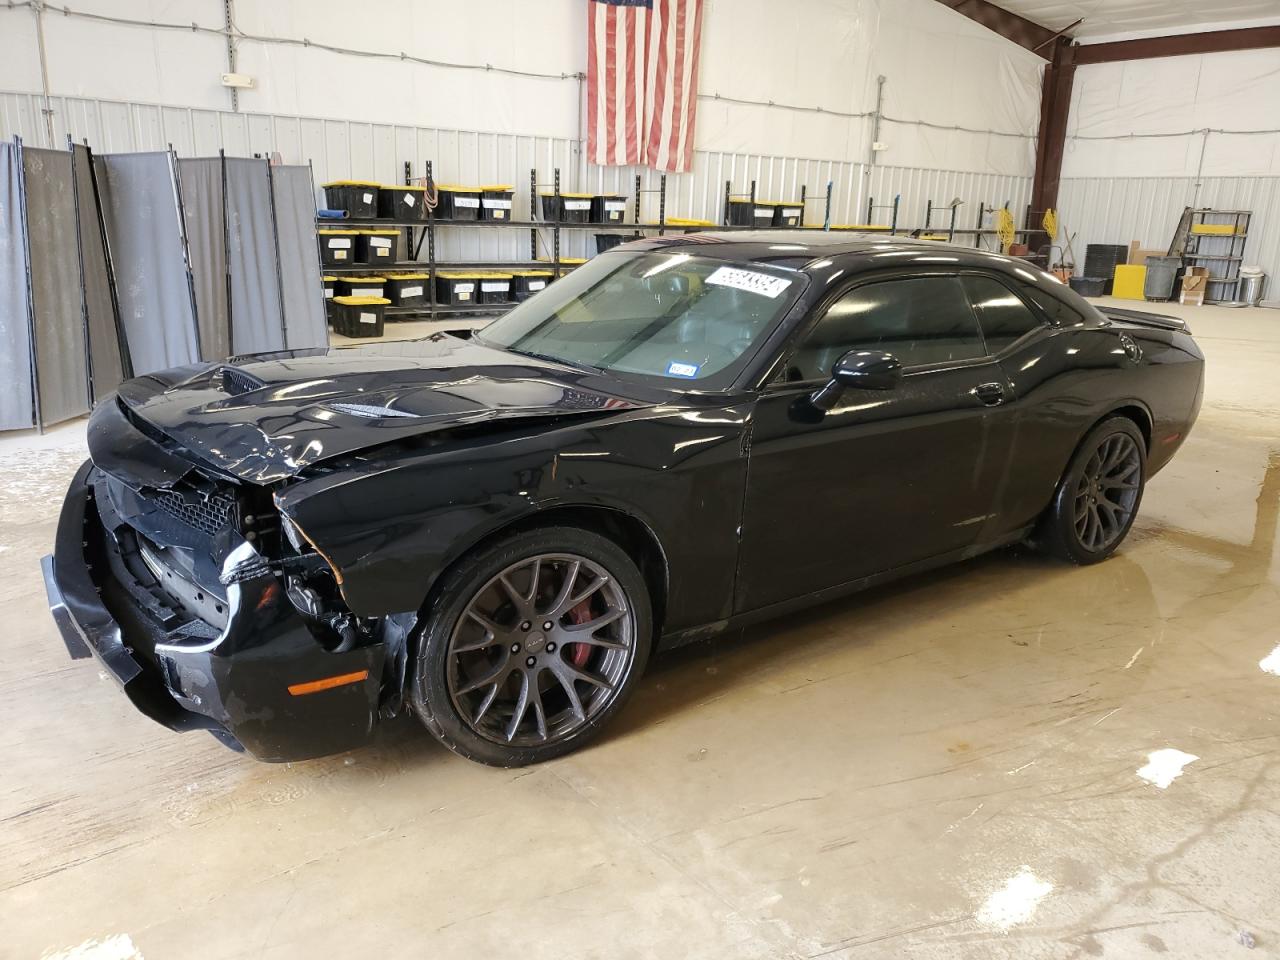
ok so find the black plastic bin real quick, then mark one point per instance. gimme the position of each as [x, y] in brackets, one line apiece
[454, 287]
[1101, 260]
[337, 247]
[745, 213]
[495, 287]
[1089, 286]
[788, 214]
[495, 201]
[361, 286]
[607, 241]
[407, 289]
[401, 203]
[376, 246]
[572, 207]
[328, 296]
[525, 283]
[359, 316]
[358, 197]
[608, 208]
[458, 203]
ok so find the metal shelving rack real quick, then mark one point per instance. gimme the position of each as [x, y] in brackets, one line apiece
[1226, 251]
[420, 233]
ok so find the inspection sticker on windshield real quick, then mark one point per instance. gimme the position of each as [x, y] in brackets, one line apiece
[765, 284]
[677, 369]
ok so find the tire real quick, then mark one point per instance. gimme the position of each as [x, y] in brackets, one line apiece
[1097, 485]
[485, 653]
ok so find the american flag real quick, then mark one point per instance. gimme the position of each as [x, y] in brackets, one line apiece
[642, 82]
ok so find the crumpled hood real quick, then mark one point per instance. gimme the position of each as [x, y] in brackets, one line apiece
[265, 418]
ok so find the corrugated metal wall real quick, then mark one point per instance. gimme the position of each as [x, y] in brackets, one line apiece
[1121, 210]
[340, 149]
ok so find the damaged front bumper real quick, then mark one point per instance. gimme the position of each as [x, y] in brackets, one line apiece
[257, 677]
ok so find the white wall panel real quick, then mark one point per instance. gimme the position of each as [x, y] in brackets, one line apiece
[344, 149]
[1121, 210]
[819, 55]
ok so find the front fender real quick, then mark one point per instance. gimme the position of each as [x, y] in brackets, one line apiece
[390, 528]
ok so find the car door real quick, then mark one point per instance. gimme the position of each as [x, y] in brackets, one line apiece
[885, 478]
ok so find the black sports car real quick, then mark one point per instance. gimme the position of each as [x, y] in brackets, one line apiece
[681, 436]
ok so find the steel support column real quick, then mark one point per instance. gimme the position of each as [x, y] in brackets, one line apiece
[1055, 108]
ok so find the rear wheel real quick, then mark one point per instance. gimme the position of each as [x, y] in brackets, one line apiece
[536, 642]
[1098, 496]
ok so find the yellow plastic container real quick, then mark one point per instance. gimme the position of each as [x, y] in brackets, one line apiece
[1214, 229]
[1130, 279]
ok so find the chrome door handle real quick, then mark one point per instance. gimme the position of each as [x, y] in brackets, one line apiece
[992, 394]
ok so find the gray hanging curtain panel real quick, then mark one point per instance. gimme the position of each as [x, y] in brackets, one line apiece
[141, 215]
[257, 323]
[303, 293]
[16, 397]
[62, 373]
[202, 206]
[106, 368]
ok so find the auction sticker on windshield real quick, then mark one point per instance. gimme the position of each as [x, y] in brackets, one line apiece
[677, 369]
[765, 284]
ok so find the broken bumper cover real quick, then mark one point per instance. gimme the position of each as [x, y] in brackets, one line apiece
[234, 681]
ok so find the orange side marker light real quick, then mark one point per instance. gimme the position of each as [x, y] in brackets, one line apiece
[328, 683]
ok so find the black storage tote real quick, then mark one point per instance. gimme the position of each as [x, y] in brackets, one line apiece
[337, 247]
[566, 207]
[359, 316]
[407, 289]
[358, 197]
[525, 283]
[746, 213]
[495, 201]
[360, 287]
[608, 208]
[458, 203]
[401, 203]
[376, 246]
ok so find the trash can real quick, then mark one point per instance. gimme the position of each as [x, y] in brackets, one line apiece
[360, 287]
[376, 246]
[1252, 283]
[359, 316]
[608, 208]
[458, 203]
[358, 197]
[745, 213]
[401, 203]
[1162, 274]
[406, 289]
[337, 247]
[572, 207]
[525, 283]
[495, 201]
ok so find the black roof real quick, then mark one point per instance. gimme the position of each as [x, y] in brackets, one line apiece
[799, 249]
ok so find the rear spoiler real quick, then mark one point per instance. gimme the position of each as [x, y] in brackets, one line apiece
[1143, 319]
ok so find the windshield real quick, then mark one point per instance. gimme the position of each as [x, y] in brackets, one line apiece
[668, 315]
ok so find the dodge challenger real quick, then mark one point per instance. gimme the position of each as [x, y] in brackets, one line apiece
[683, 436]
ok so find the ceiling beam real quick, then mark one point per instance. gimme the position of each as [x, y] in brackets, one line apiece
[1020, 30]
[1215, 41]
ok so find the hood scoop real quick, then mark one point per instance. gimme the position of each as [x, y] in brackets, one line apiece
[234, 381]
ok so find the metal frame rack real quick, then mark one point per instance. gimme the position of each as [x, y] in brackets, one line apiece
[1228, 259]
[420, 232]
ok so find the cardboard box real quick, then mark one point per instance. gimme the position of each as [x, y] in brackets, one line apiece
[1138, 256]
[1195, 280]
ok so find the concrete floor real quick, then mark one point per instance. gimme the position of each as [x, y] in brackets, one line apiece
[949, 768]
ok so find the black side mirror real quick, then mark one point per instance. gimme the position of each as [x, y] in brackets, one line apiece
[859, 370]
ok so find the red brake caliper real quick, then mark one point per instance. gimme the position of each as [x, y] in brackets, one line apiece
[580, 651]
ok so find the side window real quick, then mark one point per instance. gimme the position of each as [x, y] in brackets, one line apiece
[1003, 315]
[1053, 308]
[919, 320]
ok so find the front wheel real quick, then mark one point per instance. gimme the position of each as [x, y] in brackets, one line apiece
[536, 641]
[1098, 496]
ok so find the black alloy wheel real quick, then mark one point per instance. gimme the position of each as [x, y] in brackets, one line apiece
[539, 640]
[1098, 496]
